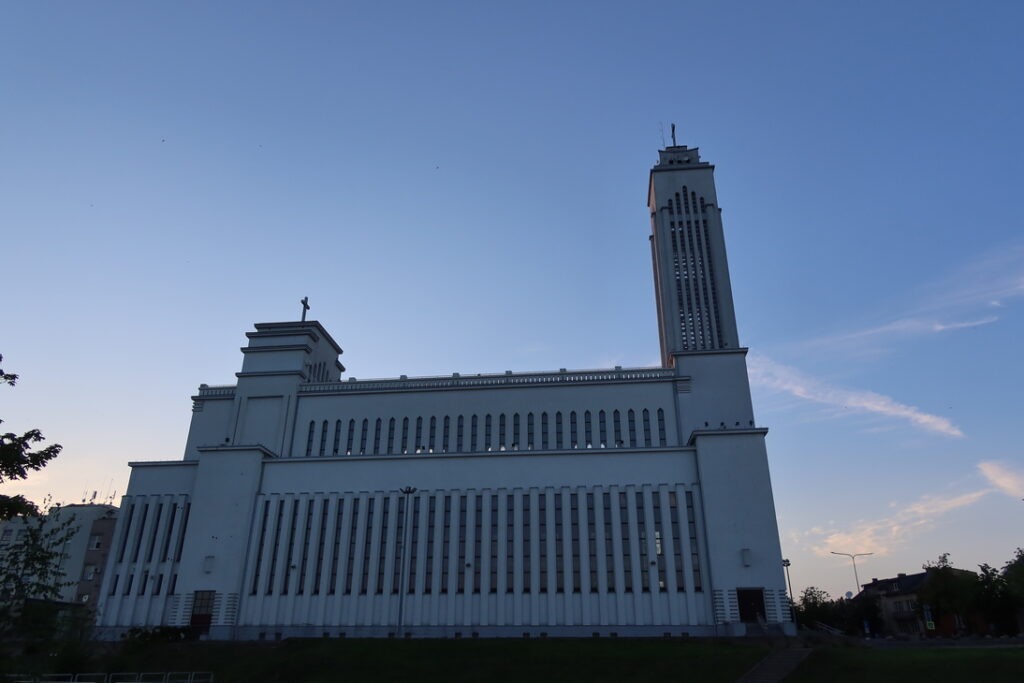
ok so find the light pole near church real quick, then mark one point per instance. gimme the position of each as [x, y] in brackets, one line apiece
[853, 558]
[792, 598]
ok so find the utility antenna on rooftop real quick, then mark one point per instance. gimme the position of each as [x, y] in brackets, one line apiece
[673, 135]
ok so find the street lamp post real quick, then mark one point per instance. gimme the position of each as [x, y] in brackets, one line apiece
[853, 558]
[407, 491]
[792, 599]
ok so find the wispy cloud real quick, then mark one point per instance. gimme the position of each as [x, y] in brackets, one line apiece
[883, 535]
[768, 374]
[904, 327]
[962, 300]
[1003, 478]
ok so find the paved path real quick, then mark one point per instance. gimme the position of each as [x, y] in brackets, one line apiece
[776, 666]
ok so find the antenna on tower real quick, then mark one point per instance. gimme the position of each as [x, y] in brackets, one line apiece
[661, 127]
[673, 135]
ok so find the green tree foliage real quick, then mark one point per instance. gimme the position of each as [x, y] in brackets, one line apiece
[30, 569]
[18, 457]
[949, 592]
[1013, 573]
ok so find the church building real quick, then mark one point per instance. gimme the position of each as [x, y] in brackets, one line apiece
[619, 501]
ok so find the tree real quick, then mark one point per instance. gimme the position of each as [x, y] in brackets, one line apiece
[30, 565]
[31, 573]
[948, 594]
[18, 458]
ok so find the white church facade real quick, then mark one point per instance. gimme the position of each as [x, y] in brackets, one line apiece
[624, 501]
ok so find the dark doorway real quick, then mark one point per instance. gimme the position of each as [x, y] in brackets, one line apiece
[751, 602]
[202, 612]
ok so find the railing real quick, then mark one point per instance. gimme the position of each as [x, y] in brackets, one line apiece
[509, 379]
[206, 391]
[127, 677]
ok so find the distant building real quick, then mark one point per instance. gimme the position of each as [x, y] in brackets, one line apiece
[82, 557]
[620, 501]
[897, 603]
[903, 610]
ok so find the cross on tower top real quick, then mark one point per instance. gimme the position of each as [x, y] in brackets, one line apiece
[305, 307]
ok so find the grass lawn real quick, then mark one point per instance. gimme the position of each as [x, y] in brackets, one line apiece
[911, 665]
[450, 661]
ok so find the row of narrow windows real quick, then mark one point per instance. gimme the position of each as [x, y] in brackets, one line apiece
[316, 372]
[150, 534]
[694, 276]
[140, 541]
[487, 433]
[500, 542]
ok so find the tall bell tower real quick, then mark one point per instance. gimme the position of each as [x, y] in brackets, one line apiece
[691, 274]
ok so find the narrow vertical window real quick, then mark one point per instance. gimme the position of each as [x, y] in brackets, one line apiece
[627, 551]
[414, 546]
[694, 548]
[322, 548]
[527, 526]
[592, 542]
[544, 430]
[493, 543]
[376, 436]
[515, 432]
[463, 549]
[472, 434]
[165, 553]
[662, 441]
[428, 564]
[138, 536]
[351, 437]
[305, 547]
[458, 434]
[323, 439]
[478, 540]
[632, 428]
[558, 430]
[382, 544]
[291, 548]
[433, 434]
[487, 432]
[351, 560]
[641, 530]
[391, 436]
[501, 432]
[446, 539]
[309, 438]
[363, 435]
[529, 431]
[574, 537]
[588, 434]
[609, 541]
[336, 551]
[445, 435]
[573, 436]
[617, 426]
[273, 551]
[337, 437]
[259, 548]
[405, 435]
[659, 539]
[602, 423]
[364, 582]
[559, 545]
[510, 543]
[419, 434]
[647, 428]
[542, 539]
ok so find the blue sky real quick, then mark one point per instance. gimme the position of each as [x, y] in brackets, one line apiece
[462, 187]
